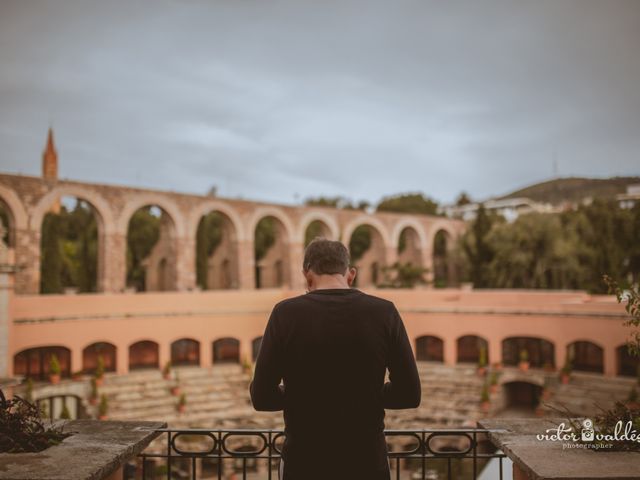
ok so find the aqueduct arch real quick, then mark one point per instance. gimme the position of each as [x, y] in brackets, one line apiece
[27, 200]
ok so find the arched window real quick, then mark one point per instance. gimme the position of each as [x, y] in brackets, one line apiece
[93, 352]
[586, 356]
[429, 349]
[185, 352]
[540, 352]
[143, 354]
[226, 350]
[469, 348]
[36, 362]
[628, 365]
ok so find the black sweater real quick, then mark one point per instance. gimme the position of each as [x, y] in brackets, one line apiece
[331, 348]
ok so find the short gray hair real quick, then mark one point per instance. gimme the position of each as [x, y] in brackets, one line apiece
[326, 257]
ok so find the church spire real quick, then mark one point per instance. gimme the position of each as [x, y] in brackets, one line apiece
[50, 159]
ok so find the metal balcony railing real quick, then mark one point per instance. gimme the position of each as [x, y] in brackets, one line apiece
[429, 454]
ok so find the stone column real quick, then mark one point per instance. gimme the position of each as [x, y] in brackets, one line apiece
[246, 265]
[113, 277]
[449, 350]
[76, 359]
[206, 353]
[122, 359]
[164, 353]
[296, 255]
[22, 254]
[185, 263]
[6, 291]
[427, 262]
[494, 350]
[610, 360]
[30, 261]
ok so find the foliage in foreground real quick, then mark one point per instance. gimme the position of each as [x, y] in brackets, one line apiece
[22, 428]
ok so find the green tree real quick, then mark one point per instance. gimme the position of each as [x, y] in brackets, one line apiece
[408, 203]
[265, 236]
[463, 199]
[208, 237]
[359, 242]
[477, 249]
[142, 235]
[51, 261]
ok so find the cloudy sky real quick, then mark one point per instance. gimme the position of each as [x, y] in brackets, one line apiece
[280, 101]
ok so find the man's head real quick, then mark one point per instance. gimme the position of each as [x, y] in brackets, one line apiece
[326, 264]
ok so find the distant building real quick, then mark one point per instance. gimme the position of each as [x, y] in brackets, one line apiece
[630, 198]
[509, 208]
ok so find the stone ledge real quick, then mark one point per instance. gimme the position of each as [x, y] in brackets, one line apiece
[546, 460]
[96, 450]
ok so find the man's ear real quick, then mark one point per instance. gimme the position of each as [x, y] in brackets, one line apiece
[307, 277]
[351, 275]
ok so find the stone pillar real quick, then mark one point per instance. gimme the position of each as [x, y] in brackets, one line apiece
[449, 350]
[560, 353]
[610, 360]
[494, 350]
[113, 277]
[122, 359]
[427, 263]
[246, 265]
[296, 255]
[164, 354]
[31, 261]
[185, 263]
[206, 353]
[76, 360]
[22, 254]
[6, 291]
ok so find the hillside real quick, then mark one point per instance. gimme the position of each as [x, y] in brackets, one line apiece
[574, 189]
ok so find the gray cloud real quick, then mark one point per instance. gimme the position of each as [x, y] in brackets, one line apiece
[267, 100]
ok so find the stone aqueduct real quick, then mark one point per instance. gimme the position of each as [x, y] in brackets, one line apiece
[27, 200]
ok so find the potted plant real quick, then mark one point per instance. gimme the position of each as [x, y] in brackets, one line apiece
[493, 381]
[99, 373]
[103, 408]
[484, 399]
[182, 403]
[54, 369]
[65, 414]
[496, 366]
[93, 397]
[547, 367]
[523, 365]
[166, 371]
[565, 372]
[175, 389]
[482, 361]
[246, 365]
[77, 375]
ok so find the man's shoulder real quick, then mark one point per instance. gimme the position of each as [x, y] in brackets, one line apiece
[289, 302]
[378, 301]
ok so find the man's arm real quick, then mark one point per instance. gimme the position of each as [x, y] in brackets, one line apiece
[403, 388]
[266, 395]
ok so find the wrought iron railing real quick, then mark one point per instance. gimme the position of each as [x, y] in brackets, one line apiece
[429, 454]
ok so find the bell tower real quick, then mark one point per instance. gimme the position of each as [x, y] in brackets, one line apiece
[50, 159]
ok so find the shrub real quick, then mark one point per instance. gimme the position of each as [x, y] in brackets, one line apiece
[26, 430]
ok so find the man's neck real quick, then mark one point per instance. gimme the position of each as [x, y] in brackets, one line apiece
[325, 282]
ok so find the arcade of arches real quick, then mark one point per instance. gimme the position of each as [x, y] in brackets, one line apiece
[72, 236]
[586, 356]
